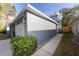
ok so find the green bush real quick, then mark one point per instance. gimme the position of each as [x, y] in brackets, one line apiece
[23, 46]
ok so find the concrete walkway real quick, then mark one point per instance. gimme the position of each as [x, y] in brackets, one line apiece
[49, 48]
[5, 48]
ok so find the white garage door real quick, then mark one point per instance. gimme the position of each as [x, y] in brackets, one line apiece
[19, 29]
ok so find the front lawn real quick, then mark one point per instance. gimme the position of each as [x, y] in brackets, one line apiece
[67, 47]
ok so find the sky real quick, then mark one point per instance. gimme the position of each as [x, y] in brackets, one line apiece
[46, 8]
[19, 7]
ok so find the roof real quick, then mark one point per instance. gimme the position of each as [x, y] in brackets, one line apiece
[35, 11]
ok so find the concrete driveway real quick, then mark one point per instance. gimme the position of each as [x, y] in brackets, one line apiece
[5, 48]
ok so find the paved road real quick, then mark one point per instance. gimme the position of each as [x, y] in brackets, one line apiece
[5, 49]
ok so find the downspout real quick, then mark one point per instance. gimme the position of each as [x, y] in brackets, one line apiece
[56, 29]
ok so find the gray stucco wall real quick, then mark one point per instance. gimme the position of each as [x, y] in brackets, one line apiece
[43, 36]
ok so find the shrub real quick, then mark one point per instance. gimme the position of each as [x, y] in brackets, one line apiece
[22, 46]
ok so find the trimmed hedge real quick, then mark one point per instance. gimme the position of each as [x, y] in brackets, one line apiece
[23, 46]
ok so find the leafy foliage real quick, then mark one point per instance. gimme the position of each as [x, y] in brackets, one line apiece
[23, 46]
[1, 27]
[8, 9]
[7, 12]
[69, 15]
[54, 16]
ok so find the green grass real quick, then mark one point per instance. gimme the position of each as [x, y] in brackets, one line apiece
[67, 47]
[67, 38]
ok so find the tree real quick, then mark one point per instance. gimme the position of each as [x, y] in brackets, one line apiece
[69, 15]
[54, 16]
[1, 27]
[76, 10]
[7, 10]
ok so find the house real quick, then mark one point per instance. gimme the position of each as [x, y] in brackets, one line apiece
[75, 29]
[75, 26]
[31, 21]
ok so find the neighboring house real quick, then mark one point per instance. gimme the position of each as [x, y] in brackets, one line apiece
[75, 29]
[75, 26]
[30, 21]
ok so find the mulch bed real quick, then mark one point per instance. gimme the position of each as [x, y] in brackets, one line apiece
[3, 38]
[67, 47]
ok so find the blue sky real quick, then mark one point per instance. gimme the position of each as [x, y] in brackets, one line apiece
[46, 8]
[19, 6]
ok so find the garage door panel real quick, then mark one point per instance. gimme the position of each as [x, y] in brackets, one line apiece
[19, 29]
